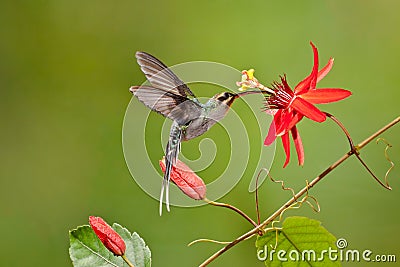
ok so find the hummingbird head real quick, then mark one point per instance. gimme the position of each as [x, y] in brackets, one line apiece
[226, 97]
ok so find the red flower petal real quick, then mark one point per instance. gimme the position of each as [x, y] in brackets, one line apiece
[286, 147]
[187, 181]
[325, 95]
[325, 70]
[314, 73]
[311, 80]
[303, 86]
[278, 121]
[271, 136]
[111, 239]
[298, 144]
[296, 119]
[308, 110]
[282, 122]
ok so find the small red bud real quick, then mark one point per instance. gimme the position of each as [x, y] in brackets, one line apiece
[111, 239]
[187, 181]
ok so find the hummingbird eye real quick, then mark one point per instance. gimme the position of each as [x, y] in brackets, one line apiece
[224, 96]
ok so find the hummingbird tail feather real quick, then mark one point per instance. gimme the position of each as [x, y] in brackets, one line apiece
[165, 183]
[167, 195]
[161, 197]
[171, 155]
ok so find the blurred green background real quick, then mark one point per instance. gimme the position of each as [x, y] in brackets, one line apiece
[65, 70]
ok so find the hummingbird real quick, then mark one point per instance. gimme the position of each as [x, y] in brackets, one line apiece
[171, 97]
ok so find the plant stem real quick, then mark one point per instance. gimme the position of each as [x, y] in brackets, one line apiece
[300, 193]
[355, 150]
[127, 261]
[244, 215]
[379, 132]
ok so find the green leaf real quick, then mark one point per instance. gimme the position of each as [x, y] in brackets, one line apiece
[136, 250]
[297, 241]
[86, 249]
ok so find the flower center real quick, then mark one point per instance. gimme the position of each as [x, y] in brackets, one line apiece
[283, 96]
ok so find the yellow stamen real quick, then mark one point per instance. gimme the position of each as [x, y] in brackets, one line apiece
[250, 74]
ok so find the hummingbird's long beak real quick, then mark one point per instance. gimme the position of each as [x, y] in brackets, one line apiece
[249, 92]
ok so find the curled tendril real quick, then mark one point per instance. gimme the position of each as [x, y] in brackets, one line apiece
[282, 183]
[272, 179]
[212, 241]
[207, 240]
[296, 205]
[315, 207]
[388, 145]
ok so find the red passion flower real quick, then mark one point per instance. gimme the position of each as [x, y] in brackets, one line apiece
[289, 106]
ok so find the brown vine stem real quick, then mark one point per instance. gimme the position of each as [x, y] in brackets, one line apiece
[355, 149]
[300, 193]
[231, 207]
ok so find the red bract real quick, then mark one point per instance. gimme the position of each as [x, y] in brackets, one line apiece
[187, 181]
[111, 239]
[289, 107]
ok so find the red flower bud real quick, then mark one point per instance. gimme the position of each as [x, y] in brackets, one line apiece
[111, 239]
[187, 181]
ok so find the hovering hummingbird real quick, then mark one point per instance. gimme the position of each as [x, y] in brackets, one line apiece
[172, 98]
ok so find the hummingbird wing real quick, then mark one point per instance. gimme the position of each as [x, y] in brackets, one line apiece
[176, 107]
[169, 96]
[171, 155]
[160, 76]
